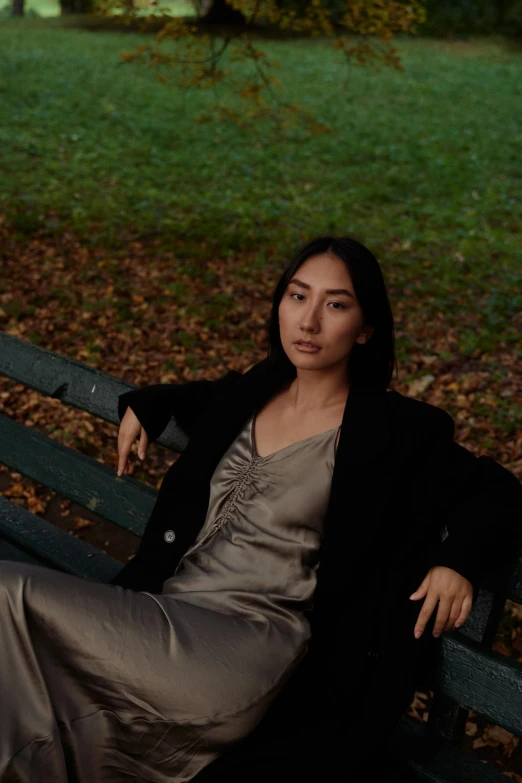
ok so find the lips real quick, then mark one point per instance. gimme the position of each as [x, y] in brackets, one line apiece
[305, 342]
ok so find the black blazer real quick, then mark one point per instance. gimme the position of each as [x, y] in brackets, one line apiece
[404, 497]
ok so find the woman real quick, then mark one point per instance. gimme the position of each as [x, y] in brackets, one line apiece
[272, 601]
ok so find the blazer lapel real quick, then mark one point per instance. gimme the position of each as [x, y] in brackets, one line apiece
[229, 413]
[356, 525]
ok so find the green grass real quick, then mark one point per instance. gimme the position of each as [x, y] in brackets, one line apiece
[51, 8]
[426, 162]
[45, 8]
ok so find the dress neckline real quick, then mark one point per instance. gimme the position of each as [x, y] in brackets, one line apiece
[285, 448]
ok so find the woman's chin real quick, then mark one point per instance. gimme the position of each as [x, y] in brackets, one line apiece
[308, 362]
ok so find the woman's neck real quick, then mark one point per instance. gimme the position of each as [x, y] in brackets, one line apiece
[312, 389]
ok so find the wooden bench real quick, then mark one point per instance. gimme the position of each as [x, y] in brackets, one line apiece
[470, 676]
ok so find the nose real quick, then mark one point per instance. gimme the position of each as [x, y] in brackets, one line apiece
[309, 319]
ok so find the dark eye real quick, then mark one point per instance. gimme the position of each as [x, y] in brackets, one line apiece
[341, 306]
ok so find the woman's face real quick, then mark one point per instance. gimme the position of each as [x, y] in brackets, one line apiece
[333, 321]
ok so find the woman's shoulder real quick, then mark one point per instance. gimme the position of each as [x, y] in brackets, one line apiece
[419, 412]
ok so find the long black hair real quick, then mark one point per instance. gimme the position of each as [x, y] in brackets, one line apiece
[370, 364]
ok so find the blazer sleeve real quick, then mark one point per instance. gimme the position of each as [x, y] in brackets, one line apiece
[480, 503]
[155, 405]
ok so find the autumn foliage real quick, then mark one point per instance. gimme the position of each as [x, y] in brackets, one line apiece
[201, 56]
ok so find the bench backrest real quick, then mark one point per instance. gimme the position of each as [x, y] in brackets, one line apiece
[120, 500]
[470, 674]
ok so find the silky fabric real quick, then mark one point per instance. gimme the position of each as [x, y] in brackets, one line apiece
[103, 684]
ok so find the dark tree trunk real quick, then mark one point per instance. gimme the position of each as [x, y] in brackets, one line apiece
[222, 14]
[76, 6]
[502, 7]
[18, 8]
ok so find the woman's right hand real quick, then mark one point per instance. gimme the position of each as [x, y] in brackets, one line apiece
[130, 430]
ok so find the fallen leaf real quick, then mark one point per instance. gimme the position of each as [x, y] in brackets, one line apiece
[498, 734]
[14, 491]
[80, 523]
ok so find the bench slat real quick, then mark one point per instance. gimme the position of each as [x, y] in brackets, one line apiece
[481, 680]
[93, 485]
[73, 383]
[11, 552]
[58, 549]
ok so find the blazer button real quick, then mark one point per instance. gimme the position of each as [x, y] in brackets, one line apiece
[169, 536]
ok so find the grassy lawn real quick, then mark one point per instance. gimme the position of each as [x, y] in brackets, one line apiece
[428, 157]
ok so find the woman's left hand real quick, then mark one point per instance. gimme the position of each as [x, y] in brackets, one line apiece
[454, 594]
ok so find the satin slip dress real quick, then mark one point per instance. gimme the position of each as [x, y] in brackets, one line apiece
[102, 684]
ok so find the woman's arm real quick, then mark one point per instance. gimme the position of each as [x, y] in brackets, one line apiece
[155, 405]
[480, 502]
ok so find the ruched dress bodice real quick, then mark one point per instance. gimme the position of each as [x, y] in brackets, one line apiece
[257, 552]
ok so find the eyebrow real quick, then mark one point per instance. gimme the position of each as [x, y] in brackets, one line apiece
[329, 291]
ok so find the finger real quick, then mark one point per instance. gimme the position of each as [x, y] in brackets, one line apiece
[442, 615]
[454, 613]
[124, 448]
[123, 466]
[422, 589]
[464, 612]
[144, 442]
[428, 606]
